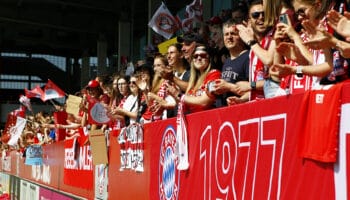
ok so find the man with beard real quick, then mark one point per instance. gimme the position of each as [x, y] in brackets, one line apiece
[257, 36]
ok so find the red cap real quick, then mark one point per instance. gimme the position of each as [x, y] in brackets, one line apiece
[93, 84]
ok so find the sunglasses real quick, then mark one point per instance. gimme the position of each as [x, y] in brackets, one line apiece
[256, 15]
[121, 84]
[159, 65]
[300, 12]
[132, 82]
[202, 55]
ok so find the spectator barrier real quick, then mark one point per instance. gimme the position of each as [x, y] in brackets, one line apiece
[258, 150]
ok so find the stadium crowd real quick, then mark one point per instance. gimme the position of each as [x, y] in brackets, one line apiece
[255, 51]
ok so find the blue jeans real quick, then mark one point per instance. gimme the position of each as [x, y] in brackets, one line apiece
[270, 88]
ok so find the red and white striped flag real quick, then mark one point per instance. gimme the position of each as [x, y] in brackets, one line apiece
[163, 22]
[52, 91]
[36, 92]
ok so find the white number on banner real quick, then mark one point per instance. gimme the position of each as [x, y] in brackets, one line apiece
[206, 149]
[255, 137]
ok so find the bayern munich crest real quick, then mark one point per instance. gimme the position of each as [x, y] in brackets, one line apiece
[169, 177]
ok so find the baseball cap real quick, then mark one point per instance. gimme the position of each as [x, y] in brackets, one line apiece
[214, 20]
[93, 84]
[190, 37]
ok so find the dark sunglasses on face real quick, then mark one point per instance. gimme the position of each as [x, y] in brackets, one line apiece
[121, 84]
[256, 15]
[202, 55]
[300, 12]
[132, 82]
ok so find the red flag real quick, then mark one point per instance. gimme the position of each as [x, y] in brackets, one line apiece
[10, 122]
[36, 92]
[52, 91]
[21, 111]
[60, 117]
[163, 22]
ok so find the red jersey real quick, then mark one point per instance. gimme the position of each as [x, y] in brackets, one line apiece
[258, 71]
[211, 76]
[319, 129]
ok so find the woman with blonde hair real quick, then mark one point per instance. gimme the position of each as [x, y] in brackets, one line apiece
[198, 96]
[302, 67]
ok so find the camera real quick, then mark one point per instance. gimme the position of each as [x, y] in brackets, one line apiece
[283, 18]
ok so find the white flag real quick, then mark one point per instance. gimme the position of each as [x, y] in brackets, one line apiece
[194, 13]
[195, 10]
[187, 24]
[16, 130]
[163, 22]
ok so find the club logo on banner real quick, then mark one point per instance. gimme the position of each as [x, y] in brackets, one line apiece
[169, 176]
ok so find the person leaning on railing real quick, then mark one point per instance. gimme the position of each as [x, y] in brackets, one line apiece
[198, 96]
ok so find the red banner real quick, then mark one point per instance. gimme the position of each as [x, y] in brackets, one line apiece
[236, 154]
[60, 117]
[78, 168]
[248, 151]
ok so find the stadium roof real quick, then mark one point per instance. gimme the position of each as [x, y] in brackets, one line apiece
[68, 27]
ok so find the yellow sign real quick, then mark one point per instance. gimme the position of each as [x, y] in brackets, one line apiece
[163, 47]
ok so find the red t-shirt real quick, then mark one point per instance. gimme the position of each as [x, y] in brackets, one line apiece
[319, 128]
[211, 76]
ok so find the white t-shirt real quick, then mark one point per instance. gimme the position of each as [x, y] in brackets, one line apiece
[131, 105]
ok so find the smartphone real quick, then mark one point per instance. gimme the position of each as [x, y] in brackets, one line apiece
[283, 18]
[211, 86]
